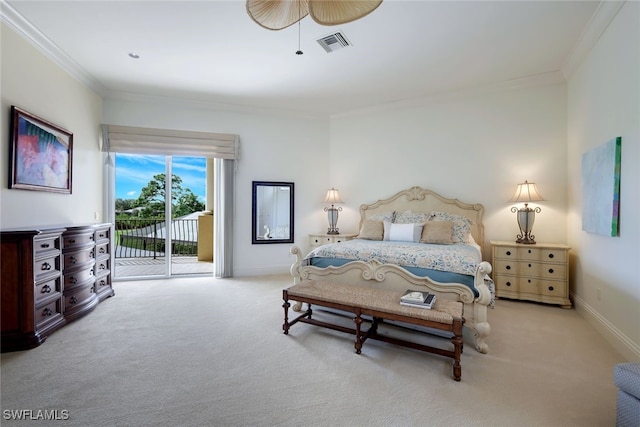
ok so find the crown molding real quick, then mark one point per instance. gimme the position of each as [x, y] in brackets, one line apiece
[597, 25]
[188, 103]
[542, 79]
[26, 30]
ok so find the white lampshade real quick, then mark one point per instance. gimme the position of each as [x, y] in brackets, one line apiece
[527, 192]
[333, 196]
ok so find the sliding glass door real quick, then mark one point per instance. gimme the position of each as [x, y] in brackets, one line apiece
[162, 227]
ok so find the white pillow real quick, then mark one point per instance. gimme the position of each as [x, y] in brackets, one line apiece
[402, 232]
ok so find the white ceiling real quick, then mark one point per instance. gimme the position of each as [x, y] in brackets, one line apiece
[211, 51]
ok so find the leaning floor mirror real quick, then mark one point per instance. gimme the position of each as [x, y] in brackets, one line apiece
[272, 212]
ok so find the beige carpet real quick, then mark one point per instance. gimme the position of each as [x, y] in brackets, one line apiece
[205, 352]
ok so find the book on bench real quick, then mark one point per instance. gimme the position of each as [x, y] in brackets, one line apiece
[420, 299]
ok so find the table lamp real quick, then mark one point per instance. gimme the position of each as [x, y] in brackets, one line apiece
[332, 212]
[526, 192]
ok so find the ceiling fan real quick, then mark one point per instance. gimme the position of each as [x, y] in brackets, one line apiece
[279, 14]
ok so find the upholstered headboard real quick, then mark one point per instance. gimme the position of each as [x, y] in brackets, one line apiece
[420, 200]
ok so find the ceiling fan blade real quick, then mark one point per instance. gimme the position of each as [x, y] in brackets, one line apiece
[277, 14]
[335, 12]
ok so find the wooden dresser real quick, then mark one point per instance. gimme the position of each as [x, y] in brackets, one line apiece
[538, 272]
[51, 276]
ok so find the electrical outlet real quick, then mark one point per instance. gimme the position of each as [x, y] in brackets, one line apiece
[96, 216]
[598, 294]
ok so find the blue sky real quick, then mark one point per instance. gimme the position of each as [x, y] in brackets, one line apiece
[133, 172]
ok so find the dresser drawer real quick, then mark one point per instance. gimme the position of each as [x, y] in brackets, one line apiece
[102, 234]
[102, 266]
[51, 312]
[79, 297]
[47, 289]
[46, 267]
[77, 277]
[78, 258]
[46, 244]
[103, 283]
[73, 240]
[102, 250]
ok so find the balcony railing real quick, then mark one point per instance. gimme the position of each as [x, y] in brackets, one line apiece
[146, 238]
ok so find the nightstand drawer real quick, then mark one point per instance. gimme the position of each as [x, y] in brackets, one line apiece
[542, 254]
[548, 271]
[324, 239]
[530, 269]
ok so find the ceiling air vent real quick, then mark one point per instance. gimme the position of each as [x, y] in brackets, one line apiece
[333, 42]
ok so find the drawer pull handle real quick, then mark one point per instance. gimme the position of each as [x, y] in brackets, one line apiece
[92, 290]
[47, 312]
[529, 281]
[508, 267]
[102, 267]
[551, 288]
[508, 283]
[73, 300]
[550, 255]
[73, 259]
[73, 279]
[529, 265]
[46, 266]
[551, 270]
[103, 282]
[508, 252]
[46, 289]
[45, 245]
[529, 251]
[102, 250]
[71, 241]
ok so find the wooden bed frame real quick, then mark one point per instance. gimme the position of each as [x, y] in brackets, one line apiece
[390, 276]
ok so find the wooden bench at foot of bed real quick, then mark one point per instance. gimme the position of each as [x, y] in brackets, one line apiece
[379, 304]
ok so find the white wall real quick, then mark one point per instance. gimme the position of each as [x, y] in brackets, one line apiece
[475, 148]
[32, 82]
[603, 103]
[272, 148]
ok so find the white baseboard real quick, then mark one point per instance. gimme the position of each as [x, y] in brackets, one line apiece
[629, 349]
[264, 271]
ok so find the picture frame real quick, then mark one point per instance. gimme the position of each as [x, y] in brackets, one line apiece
[41, 154]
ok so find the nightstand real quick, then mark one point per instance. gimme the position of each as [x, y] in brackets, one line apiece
[538, 272]
[324, 238]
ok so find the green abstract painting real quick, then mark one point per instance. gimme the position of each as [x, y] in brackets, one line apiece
[601, 188]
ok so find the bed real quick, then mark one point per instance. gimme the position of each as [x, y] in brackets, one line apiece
[452, 268]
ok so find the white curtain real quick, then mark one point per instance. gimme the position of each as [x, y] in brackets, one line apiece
[169, 142]
[224, 188]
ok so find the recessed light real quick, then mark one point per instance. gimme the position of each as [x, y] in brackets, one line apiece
[134, 55]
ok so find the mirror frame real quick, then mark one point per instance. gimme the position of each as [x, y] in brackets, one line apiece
[254, 212]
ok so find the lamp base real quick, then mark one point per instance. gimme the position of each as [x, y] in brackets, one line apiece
[332, 231]
[526, 240]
